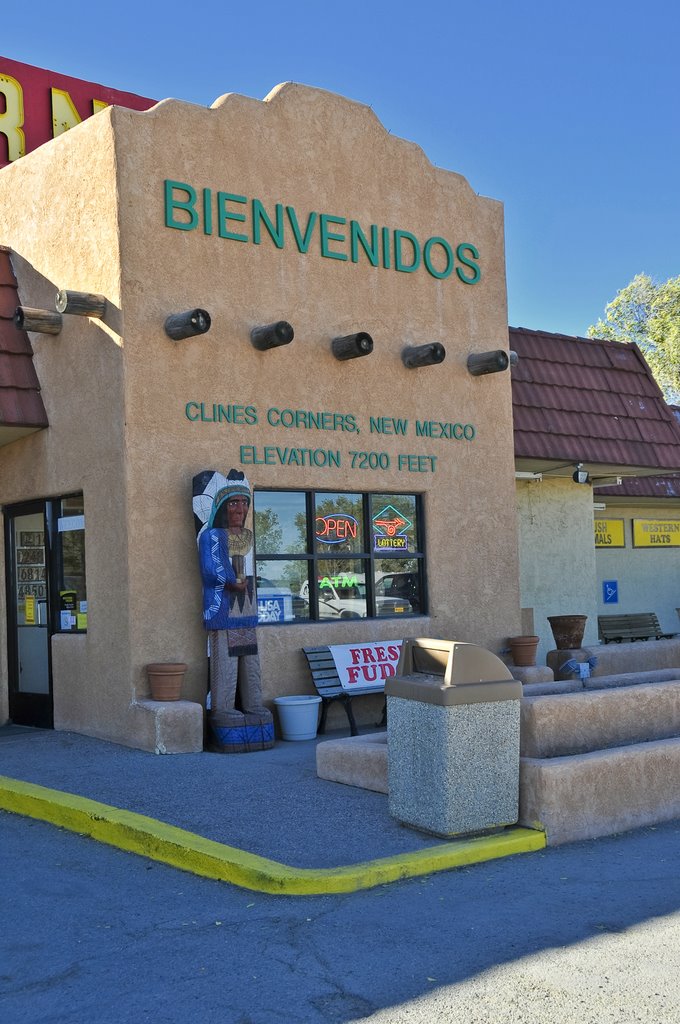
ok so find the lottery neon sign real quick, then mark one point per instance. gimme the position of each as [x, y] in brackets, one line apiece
[390, 528]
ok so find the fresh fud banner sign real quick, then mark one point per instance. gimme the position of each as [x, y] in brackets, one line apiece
[365, 665]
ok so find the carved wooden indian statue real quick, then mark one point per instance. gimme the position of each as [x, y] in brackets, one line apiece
[223, 518]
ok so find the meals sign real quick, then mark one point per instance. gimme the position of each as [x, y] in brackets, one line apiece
[609, 533]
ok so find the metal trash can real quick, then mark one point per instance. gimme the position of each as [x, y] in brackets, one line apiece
[453, 713]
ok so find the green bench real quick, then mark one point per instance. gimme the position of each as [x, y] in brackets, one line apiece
[327, 682]
[636, 626]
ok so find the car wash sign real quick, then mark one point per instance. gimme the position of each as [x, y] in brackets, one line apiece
[37, 105]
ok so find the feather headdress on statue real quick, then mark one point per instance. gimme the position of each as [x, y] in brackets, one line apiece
[210, 491]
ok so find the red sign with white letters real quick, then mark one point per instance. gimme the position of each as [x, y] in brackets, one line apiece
[37, 105]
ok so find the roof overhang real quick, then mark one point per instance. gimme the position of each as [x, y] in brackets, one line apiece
[596, 471]
[613, 500]
[9, 434]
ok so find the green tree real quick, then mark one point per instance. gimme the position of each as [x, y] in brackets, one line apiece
[649, 314]
[268, 532]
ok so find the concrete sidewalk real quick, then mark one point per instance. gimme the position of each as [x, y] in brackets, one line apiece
[320, 836]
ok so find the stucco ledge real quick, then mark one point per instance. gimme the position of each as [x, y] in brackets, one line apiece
[168, 727]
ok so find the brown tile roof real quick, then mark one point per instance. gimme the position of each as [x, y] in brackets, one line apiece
[591, 401]
[652, 487]
[21, 405]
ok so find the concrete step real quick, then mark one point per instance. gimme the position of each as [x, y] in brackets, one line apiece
[600, 793]
[576, 723]
[355, 761]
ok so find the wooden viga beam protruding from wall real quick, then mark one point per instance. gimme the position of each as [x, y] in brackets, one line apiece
[42, 321]
[81, 303]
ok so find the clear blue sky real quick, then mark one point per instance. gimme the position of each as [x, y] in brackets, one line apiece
[567, 113]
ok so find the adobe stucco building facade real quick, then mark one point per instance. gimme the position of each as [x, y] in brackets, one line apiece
[300, 208]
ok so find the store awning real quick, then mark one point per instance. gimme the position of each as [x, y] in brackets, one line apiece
[590, 403]
[21, 406]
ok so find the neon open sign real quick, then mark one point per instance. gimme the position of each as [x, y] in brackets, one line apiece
[336, 528]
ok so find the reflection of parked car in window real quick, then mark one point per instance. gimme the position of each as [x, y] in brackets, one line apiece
[401, 585]
[274, 604]
[344, 597]
[278, 603]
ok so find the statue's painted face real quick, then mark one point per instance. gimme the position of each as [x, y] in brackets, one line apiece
[237, 510]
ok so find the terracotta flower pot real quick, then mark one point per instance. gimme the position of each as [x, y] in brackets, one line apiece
[165, 680]
[567, 630]
[523, 650]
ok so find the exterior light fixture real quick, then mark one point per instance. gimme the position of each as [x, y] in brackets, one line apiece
[352, 346]
[580, 475]
[480, 363]
[272, 335]
[42, 321]
[81, 303]
[607, 481]
[188, 324]
[423, 355]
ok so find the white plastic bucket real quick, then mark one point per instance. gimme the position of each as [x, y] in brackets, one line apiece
[298, 716]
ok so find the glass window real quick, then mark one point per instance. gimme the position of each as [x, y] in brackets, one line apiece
[394, 524]
[341, 589]
[338, 524]
[280, 585]
[31, 574]
[280, 522]
[70, 556]
[330, 555]
[400, 581]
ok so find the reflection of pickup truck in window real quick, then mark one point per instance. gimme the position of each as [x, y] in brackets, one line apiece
[403, 585]
[344, 597]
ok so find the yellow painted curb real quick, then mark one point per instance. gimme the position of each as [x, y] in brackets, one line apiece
[190, 852]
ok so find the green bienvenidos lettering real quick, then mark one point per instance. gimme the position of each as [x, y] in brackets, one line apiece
[386, 246]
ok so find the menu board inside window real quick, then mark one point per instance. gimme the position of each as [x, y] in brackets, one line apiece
[30, 560]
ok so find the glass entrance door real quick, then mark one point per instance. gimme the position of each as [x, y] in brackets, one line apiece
[30, 689]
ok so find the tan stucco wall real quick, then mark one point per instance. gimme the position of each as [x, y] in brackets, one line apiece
[116, 396]
[58, 213]
[648, 578]
[557, 555]
[333, 156]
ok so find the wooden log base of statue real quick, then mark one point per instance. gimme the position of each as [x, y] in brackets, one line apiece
[236, 732]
